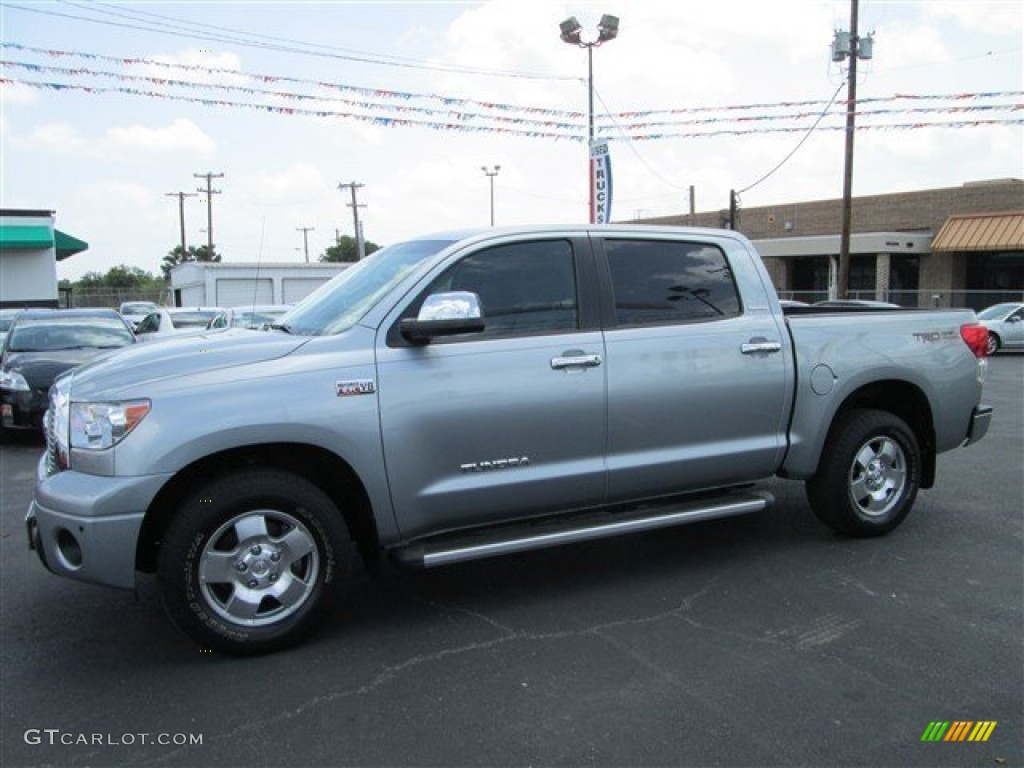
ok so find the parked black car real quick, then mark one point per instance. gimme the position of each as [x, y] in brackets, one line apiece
[43, 343]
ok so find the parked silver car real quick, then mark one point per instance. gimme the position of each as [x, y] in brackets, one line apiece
[1005, 323]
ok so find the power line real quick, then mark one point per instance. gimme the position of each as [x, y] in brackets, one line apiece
[799, 143]
[383, 58]
[227, 38]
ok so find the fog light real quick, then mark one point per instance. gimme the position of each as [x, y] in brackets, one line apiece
[69, 549]
[7, 414]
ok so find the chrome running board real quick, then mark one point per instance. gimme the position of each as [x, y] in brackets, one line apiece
[554, 532]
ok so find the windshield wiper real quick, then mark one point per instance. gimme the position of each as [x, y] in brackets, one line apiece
[282, 327]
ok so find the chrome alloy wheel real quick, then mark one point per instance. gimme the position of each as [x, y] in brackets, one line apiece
[878, 476]
[259, 567]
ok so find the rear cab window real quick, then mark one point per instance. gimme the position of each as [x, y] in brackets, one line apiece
[664, 282]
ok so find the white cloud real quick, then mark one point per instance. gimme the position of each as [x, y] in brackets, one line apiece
[180, 137]
[1002, 18]
[295, 184]
[17, 93]
[55, 138]
[118, 194]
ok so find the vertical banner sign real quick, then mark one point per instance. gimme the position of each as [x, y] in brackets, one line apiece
[600, 183]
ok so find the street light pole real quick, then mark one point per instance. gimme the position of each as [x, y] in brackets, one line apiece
[491, 173]
[608, 30]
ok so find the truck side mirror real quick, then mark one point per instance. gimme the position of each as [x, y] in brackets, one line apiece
[444, 314]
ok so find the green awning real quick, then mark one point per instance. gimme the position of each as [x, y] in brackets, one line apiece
[25, 237]
[67, 245]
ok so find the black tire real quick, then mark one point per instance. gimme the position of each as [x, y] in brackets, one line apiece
[993, 344]
[251, 561]
[869, 474]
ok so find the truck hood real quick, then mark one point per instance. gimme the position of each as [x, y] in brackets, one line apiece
[178, 357]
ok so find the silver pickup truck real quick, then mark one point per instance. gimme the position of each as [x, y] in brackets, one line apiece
[471, 394]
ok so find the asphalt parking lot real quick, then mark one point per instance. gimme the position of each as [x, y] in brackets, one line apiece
[754, 641]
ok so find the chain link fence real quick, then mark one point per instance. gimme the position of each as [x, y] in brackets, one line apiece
[74, 298]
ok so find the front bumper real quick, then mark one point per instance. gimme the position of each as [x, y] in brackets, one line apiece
[86, 527]
[22, 410]
[981, 417]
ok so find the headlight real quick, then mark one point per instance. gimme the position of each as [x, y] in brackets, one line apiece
[13, 380]
[58, 430]
[96, 426]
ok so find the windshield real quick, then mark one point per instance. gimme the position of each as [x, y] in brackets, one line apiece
[51, 334]
[996, 312]
[194, 319]
[6, 318]
[341, 303]
[138, 308]
[255, 319]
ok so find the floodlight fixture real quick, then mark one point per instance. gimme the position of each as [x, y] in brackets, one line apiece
[608, 28]
[570, 29]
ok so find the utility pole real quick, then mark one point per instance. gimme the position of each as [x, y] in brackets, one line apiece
[360, 245]
[210, 192]
[181, 216]
[305, 239]
[849, 46]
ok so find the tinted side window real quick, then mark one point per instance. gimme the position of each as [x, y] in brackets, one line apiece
[149, 324]
[524, 288]
[659, 282]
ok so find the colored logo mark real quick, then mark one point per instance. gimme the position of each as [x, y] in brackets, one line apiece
[959, 730]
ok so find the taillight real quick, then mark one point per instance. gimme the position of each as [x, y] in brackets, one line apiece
[976, 337]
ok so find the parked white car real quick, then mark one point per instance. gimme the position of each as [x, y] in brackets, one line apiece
[254, 317]
[173, 321]
[135, 311]
[1005, 323]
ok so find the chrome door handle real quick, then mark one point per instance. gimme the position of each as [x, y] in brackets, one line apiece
[760, 347]
[575, 361]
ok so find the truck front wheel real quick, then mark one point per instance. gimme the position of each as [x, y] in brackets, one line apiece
[869, 474]
[251, 561]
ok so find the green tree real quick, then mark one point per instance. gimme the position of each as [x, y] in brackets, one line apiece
[177, 256]
[345, 250]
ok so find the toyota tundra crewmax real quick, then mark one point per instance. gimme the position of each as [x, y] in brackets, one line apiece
[473, 394]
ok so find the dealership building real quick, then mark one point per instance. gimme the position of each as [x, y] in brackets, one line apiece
[957, 246]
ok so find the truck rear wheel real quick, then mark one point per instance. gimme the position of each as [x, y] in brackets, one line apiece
[251, 561]
[869, 474]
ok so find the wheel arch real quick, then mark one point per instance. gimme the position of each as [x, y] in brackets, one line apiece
[902, 399]
[319, 466]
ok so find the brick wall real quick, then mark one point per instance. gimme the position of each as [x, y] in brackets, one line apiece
[920, 211]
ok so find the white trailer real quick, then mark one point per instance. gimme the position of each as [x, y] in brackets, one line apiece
[237, 284]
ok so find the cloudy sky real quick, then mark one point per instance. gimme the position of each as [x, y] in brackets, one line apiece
[110, 108]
